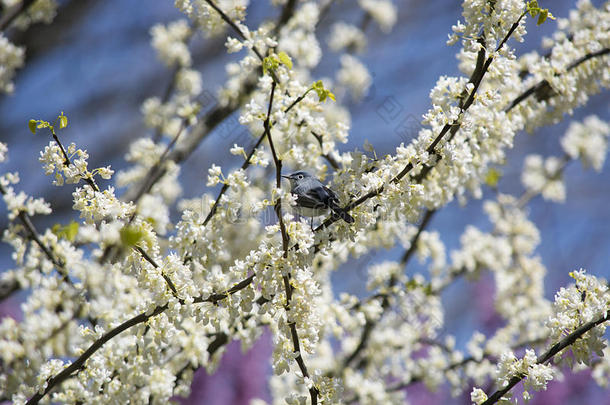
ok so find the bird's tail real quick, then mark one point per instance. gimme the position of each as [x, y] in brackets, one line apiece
[342, 213]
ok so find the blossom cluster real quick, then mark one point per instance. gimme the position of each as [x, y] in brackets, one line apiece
[171, 293]
[12, 57]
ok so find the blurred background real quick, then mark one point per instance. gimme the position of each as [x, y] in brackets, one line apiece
[95, 63]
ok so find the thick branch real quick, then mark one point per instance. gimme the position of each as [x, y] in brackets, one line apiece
[79, 363]
[7, 288]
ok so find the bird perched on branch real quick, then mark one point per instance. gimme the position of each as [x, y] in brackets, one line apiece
[313, 198]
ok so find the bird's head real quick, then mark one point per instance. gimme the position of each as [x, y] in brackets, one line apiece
[297, 176]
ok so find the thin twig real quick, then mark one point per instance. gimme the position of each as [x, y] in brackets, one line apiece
[212, 120]
[150, 260]
[458, 364]
[35, 236]
[329, 158]
[157, 171]
[428, 214]
[241, 34]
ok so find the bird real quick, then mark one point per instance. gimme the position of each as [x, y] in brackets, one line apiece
[313, 198]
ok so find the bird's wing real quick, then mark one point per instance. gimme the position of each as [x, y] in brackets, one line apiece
[311, 199]
[331, 194]
[315, 197]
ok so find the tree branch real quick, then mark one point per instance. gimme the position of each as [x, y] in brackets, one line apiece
[14, 12]
[370, 324]
[453, 127]
[541, 85]
[313, 391]
[329, 158]
[35, 236]
[150, 260]
[246, 163]
[78, 364]
[549, 354]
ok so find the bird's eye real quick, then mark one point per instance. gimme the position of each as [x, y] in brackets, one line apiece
[300, 176]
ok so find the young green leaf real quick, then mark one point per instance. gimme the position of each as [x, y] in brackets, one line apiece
[270, 63]
[67, 232]
[544, 14]
[285, 59]
[32, 126]
[130, 235]
[323, 93]
[63, 121]
[492, 177]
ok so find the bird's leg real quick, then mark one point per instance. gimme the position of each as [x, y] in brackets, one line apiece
[311, 223]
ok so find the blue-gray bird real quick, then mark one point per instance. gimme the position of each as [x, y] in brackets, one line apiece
[313, 198]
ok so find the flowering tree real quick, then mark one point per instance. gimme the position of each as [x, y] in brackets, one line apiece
[123, 305]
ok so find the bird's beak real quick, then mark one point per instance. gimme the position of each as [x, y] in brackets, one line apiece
[286, 177]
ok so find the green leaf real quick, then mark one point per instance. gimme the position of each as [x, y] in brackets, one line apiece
[32, 126]
[285, 59]
[532, 8]
[492, 177]
[544, 14]
[43, 124]
[63, 121]
[130, 235]
[71, 230]
[428, 289]
[323, 93]
[68, 232]
[270, 63]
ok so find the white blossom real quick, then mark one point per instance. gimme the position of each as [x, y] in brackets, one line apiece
[170, 43]
[11, 58]
[588, 141]
[346, 37]
[544, 176]
[355, 76]
[237, 262]
[382, 11]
